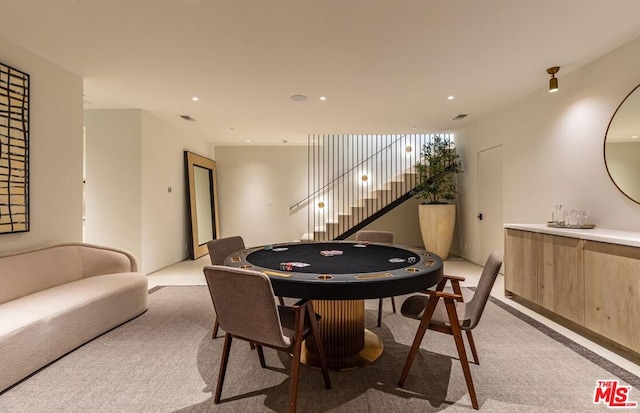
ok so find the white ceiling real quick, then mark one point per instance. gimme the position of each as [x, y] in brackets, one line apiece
[386, 66]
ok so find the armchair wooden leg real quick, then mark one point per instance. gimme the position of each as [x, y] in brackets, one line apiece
[472, 345]
[379, 312]
[280, 300]
[422, 328]
[457, 335]
[393, 304]
[223, 367]
[216, 326]
[295, 369]
[260, 355]
[295, 362]
[315, 331]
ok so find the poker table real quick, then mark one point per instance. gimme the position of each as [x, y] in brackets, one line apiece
[339, 276]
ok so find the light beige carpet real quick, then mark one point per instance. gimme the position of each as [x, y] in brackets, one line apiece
[165, 360]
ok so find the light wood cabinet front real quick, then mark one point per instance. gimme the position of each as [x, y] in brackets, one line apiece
[521, 257]
[612, 291]
[561, 276]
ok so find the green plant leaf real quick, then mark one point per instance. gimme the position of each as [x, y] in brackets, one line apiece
[437, 169]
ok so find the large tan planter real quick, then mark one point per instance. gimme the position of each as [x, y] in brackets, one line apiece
[437, 222]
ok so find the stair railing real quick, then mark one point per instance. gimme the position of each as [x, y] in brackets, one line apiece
[351, 177]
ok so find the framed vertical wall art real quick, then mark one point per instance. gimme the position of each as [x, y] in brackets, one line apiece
[14, 150]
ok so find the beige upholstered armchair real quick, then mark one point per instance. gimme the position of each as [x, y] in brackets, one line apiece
[446, 312]
[246, 308]
[218, 250]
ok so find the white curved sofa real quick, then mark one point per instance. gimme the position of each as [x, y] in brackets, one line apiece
[54, 299]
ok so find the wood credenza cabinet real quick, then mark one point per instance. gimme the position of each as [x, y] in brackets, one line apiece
[612, 292]
[588, 285]
[521, 264]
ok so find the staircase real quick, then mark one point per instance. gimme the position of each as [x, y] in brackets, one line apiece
[359, 215]
[355, 179]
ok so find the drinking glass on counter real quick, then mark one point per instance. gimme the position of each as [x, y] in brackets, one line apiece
[583, 217]
[558, 215]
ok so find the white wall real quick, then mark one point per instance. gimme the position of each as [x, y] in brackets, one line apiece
[165, 226]
[55, 150]
[553, 149]
[256, 187]
[114, 179]
[136, 192]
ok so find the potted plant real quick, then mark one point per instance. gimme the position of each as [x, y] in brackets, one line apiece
[437, 187]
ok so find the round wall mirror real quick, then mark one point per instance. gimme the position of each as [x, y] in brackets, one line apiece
[622, 146]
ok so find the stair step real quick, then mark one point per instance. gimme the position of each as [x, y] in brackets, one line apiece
[320, 236]
[410, 179]
[332, 230]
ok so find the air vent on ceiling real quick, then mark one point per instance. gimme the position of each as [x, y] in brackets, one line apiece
[460, 116]
[187, 118]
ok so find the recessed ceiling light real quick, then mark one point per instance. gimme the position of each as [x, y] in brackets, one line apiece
[323, 98]
[248, 141]
[195, 99]
[414, 128]
[634, 137]
[451, 97]
[298, 98]
[187, 118]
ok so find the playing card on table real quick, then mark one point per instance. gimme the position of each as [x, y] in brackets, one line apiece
[300, 264]
[330, 253]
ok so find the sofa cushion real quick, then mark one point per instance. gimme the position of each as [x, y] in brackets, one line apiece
[23, 350]
[109, 300]
[39, 328]
[30, 272]
[98, 260]
[26, 273]
[53, 302]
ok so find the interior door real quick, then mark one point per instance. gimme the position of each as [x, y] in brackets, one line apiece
[490, 202]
